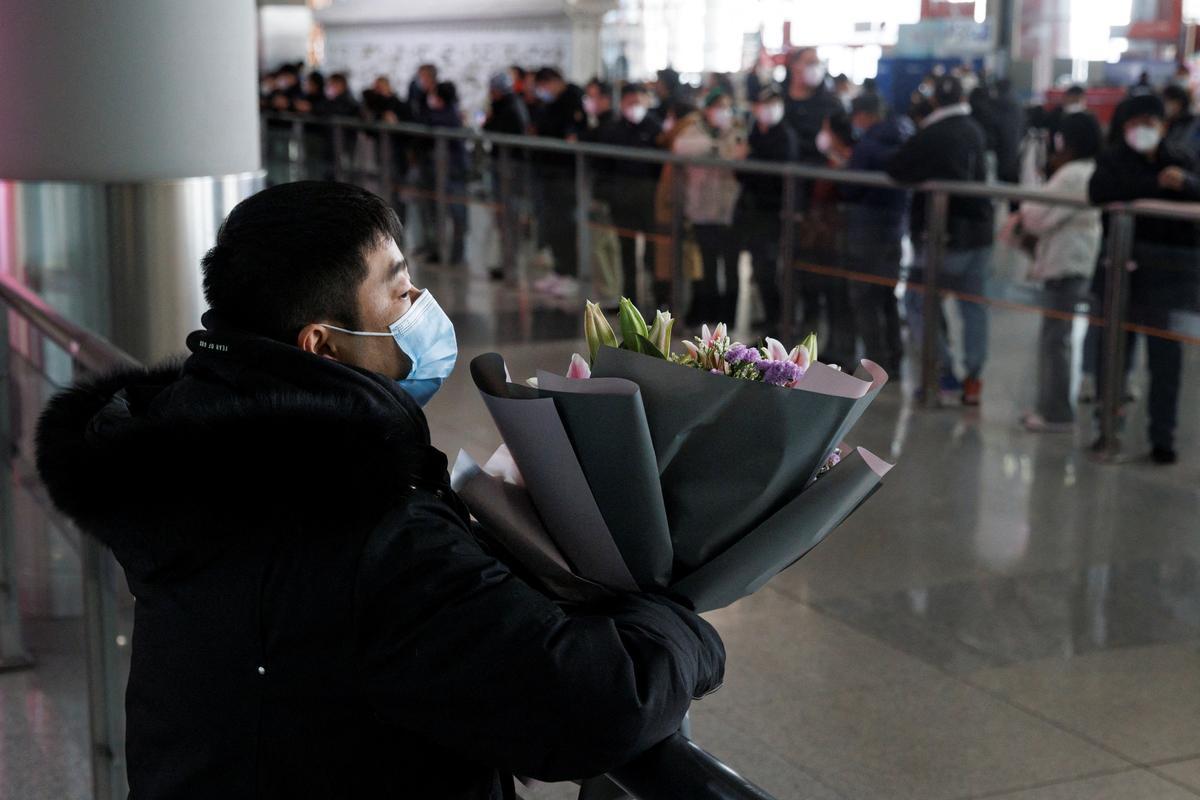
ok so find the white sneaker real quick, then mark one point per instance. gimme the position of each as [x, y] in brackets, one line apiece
[1036, 423]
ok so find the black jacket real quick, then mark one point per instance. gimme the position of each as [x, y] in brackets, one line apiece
[952, 149]
[763, 194]
[508, 115]
[869, 206]
[806, 118]
[560, 118]
[314, 618]
[616, 176]
[1122, 174]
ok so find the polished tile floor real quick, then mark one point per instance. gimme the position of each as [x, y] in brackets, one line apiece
[1006, 618]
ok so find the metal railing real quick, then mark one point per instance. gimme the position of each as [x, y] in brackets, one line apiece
[1118, 247]
[672, 770]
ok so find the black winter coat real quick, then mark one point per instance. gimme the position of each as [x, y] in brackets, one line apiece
[952, 149]
[1122, 175]
[618, 178]
[314, 618]
[763, 194]
[509, 114]
[870, 206]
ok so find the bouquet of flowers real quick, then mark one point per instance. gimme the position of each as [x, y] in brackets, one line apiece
[705, 472]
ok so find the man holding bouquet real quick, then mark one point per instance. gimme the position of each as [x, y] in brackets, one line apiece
[314, 616]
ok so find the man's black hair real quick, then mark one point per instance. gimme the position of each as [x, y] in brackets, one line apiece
[1075, 91]
[546, 74]
[339, 77]
[1081, 135]
[632, 88]
[519, 70]
[1178, 94]
[294, 254]
[947, 91]
[318, 81]
[839, 126]
[867, 103]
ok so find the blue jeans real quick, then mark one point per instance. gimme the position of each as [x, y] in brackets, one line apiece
[963, 271]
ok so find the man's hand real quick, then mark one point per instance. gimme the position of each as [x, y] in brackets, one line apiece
[1173, 178]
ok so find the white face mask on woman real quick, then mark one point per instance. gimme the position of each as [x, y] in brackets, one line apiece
[770, 115]
[635, 114]
[721, 118]
[1143, 139]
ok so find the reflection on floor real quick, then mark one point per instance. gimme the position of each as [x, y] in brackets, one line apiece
[1005, 618]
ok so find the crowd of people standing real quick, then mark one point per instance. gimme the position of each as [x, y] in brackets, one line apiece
[959, 126]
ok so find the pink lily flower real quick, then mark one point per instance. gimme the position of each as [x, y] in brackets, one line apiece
[718, 334]
[579, 368]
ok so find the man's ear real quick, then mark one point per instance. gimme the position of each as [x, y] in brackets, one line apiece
[316, 339]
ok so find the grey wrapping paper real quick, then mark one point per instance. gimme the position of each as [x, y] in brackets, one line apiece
[606, 423]
[788, 534]
[508, 516]
[535, 435]
[733, 453]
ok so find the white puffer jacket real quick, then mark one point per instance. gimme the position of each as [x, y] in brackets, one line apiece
[1068, 239]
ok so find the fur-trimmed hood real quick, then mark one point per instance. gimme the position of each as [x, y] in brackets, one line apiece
[247, 434]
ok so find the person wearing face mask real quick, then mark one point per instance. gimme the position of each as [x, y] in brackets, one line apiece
[874, 220]
[560, 115]
[597, 104]
[1166, 276]
[760, 204]
[950, 145]
[1183, 128]
[710, 197]
[628, 186]
[316, 615]
[808, 101]
[443, 112]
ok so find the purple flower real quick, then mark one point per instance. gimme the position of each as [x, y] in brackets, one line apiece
[740, 354]
[778, 373]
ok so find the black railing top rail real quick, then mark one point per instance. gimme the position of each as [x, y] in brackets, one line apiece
[996, 191]
[94, 354]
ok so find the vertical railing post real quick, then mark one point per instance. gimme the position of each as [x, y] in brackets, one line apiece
[441, 179]
[583, 230]
[13, 653]
[937, 209]
[339, 146]
[109, 780]
[387, 186]
[1112, 354]
[786, 268]
[678, 280]
[297, 155]
[507, 218]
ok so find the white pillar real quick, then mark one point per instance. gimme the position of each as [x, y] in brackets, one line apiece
[143, 116]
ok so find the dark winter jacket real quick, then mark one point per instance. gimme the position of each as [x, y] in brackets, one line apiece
[951, 149]
[763, 194]
[869, 206]
[1122, 174]
[314, 618]
[561, 118]
[617, 175]
[448, 116]
[509, 114]
[806, 118]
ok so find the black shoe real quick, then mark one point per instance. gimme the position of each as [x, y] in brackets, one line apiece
[1163, 455]
[496, 273]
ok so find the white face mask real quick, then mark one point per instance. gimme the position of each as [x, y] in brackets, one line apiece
[814, 74]
[589, 106]
[1075, 108]
[1143, 138]
[721, 118]
[969, 84]
[770, 114]
[635, 114]
[824, 142]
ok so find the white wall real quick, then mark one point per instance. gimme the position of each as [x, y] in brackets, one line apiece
[283, 34]
[465, 52]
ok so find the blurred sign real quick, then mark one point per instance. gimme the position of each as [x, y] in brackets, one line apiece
[942, 9]
[1157, 20]
[946, 37]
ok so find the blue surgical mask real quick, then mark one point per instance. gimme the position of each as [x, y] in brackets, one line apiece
[426, 335]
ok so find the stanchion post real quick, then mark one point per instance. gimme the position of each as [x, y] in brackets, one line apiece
[339, 147]
[105, 692]
[1116, 283]
[937, 211]
[13, 653]
[298, 164]
[387, 185]
[508, 211]
[678, 287]
[583, 233]
[786, 268]
[441, 178]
